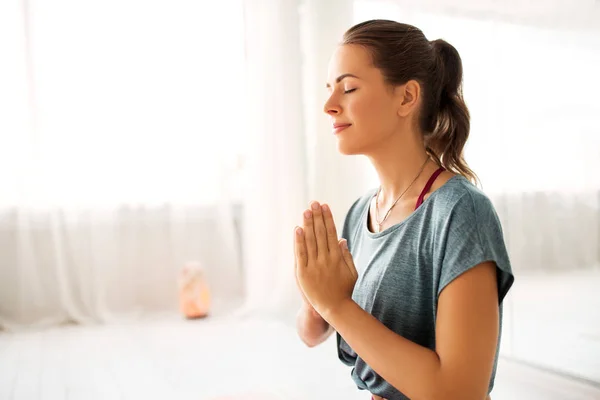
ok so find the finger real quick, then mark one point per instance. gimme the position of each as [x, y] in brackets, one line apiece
[295, 251]
[319, 227]
[309, 236]
[296, 257]
[348, 258]
[300, 248]
[298, 260]
[332, 239]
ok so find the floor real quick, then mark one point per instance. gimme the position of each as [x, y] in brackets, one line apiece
[554, 320]
[218, 358]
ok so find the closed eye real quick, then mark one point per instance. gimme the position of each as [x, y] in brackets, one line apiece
[349, 91]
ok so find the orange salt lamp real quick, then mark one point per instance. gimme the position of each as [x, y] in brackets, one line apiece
[194, 293]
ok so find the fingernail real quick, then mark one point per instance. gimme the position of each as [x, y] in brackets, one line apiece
[299, 231]
[307, 214]
[325, 208]
[315, 206]
[344, 244]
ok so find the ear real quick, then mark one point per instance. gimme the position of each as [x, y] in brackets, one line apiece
[409, 95]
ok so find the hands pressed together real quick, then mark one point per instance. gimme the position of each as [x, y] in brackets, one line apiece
[324, 268]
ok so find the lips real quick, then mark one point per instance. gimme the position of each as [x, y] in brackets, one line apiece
[338, 127]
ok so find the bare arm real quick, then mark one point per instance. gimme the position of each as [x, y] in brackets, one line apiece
[311, 327]
[466, 336]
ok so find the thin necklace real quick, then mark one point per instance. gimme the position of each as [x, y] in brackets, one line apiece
[379, 223]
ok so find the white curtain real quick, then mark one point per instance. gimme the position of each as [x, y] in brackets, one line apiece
[120, 136]
[275, 178]
[293, 157]
[145, 142]
[535, 144]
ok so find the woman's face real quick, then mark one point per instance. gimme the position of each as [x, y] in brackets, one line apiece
[362, 107]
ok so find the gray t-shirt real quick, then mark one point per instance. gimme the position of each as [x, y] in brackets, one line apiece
[402, 270]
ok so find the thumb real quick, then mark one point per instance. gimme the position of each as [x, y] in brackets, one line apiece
[348, 257]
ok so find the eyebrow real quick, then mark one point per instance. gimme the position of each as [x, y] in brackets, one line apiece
[342, 77]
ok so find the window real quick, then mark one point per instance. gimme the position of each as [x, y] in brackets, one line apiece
[131, 101]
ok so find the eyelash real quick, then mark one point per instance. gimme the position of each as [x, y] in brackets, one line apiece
[349, 91]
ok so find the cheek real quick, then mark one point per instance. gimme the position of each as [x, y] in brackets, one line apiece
[369, 126]
[371, 116]
[358, 109]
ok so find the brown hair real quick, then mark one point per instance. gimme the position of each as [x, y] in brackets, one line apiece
[402, 52]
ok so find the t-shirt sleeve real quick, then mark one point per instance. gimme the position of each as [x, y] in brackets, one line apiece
[473, 235]
[351, 223]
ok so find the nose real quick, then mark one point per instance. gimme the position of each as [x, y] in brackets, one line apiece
[331, 107]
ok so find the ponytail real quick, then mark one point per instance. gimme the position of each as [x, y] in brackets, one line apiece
[450, 120]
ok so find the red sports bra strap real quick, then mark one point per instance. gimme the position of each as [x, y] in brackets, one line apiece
[428, 185]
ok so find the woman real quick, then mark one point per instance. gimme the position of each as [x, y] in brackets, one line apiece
[414, 288]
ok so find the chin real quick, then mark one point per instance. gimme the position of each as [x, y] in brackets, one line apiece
[348, 149]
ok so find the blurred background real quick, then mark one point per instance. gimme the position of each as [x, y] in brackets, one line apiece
[155, 156]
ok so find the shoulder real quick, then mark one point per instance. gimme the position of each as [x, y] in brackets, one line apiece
[460, 199]
[354, 214]
[468, 222]
[470, 234]
[357, 208]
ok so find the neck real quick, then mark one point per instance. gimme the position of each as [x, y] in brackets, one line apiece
[398, 162]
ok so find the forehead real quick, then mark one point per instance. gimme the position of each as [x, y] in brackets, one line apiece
[349, 59]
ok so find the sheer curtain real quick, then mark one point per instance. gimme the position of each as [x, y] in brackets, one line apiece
[531, 89]
[293, 156]
[121, 135]
[132, 147]
[275, 174]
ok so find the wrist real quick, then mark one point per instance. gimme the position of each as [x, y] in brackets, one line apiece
[309, 310]
[338, 311]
